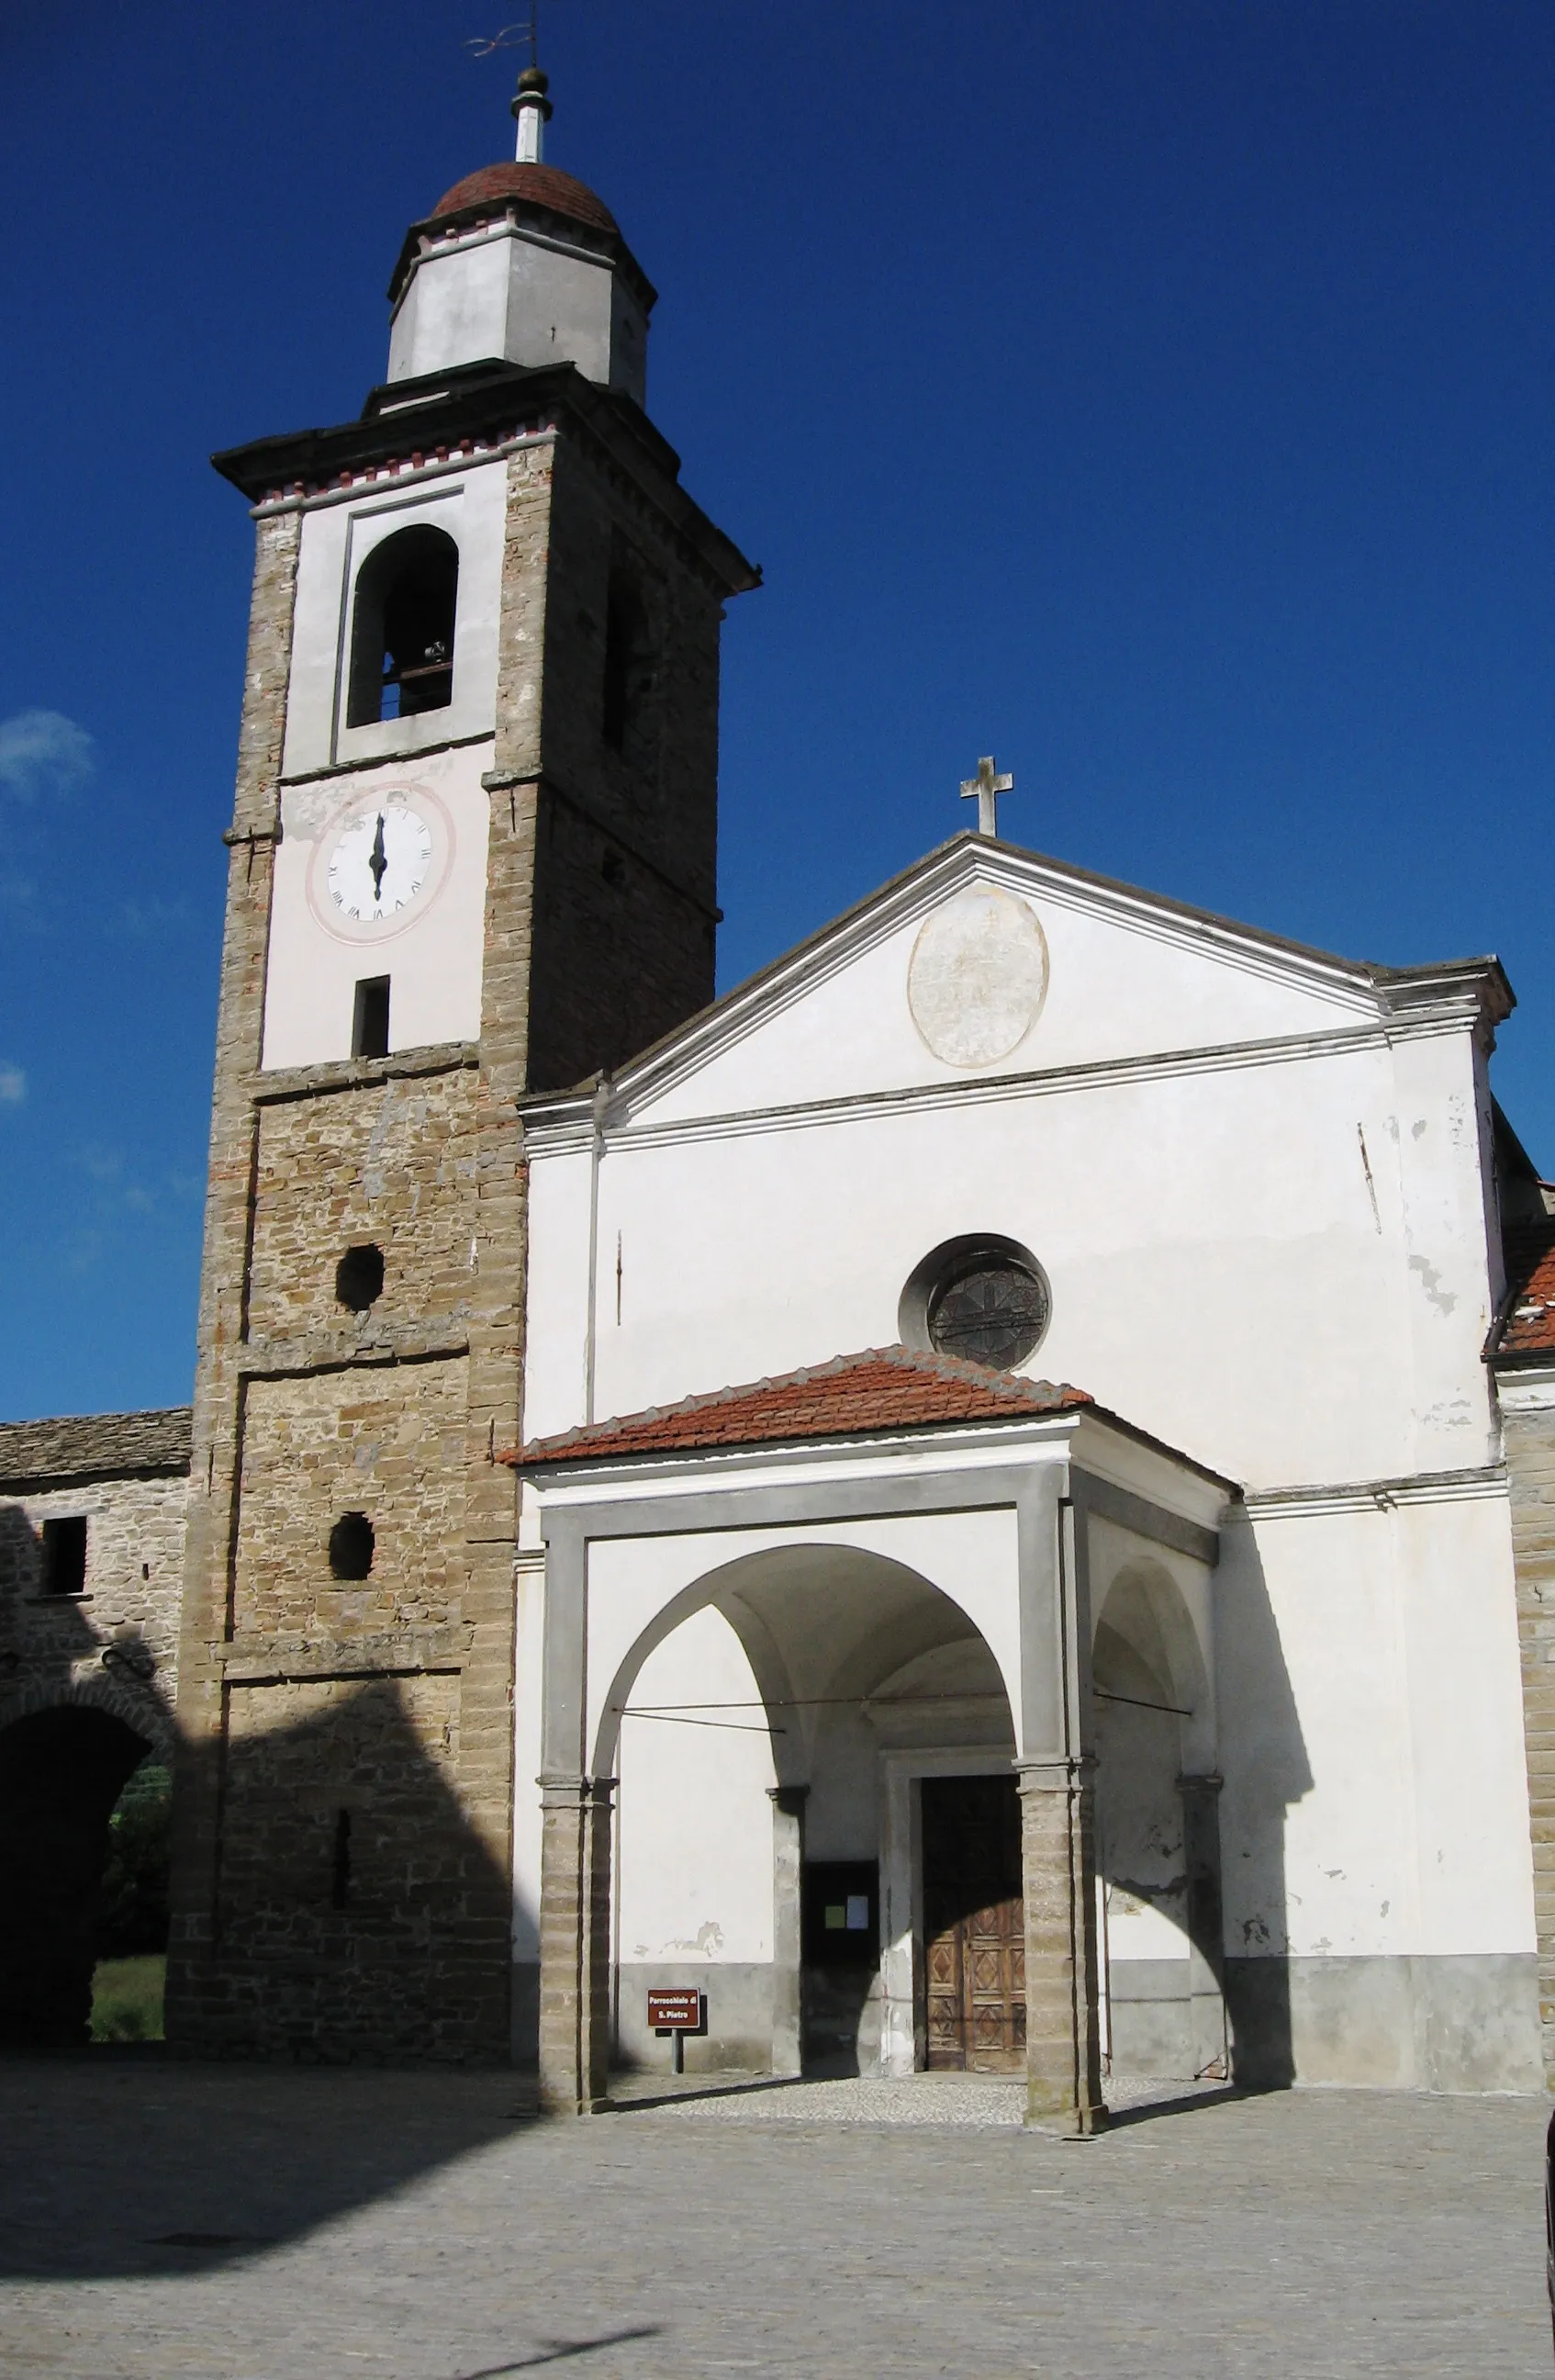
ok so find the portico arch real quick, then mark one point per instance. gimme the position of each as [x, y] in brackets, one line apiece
[1157, 1837]
[867, 1676]
[62, 1768]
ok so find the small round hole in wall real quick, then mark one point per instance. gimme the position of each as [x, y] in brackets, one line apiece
[351, 1545]
[359, 1279]
[612, 868]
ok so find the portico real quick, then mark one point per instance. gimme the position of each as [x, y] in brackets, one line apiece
[782, 1620]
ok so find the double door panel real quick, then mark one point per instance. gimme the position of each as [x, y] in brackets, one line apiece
[974, 1925]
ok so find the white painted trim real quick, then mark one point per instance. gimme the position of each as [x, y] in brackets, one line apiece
[1487, 1482]
[570, 1133]
[408, 475]
[1529, 1389]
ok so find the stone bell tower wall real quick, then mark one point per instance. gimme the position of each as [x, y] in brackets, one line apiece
[343, 1877]
[625, 858]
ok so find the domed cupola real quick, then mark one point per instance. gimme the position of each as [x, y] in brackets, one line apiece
[523, 263]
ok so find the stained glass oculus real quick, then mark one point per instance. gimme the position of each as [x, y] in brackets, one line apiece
[991, 1311]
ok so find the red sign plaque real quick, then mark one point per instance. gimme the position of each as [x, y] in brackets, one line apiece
[675, 2011]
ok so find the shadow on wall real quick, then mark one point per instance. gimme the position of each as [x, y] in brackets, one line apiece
[1188, 1924]
[1269, 1774]
[79, 1713]
[357, 1915]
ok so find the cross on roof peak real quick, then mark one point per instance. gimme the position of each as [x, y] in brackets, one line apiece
[987, 787]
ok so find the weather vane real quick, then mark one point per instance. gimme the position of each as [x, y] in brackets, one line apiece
[527, 28]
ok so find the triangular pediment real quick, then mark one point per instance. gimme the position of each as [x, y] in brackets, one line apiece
[986, 962]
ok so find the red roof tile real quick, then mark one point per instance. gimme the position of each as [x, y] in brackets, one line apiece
[1527, 1327]
[882, 1388]
[543, 186]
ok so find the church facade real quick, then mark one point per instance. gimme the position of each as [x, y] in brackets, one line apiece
[977, 1503]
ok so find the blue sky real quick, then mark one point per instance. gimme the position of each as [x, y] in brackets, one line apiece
[1155, 393]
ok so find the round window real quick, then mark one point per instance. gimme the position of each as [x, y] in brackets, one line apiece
[990, 1309]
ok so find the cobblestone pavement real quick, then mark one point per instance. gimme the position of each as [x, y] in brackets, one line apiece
[158, 2221]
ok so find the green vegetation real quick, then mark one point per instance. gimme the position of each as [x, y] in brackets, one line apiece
[134, 1904]
[126, 1998]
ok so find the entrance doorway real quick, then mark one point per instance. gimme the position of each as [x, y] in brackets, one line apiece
[974, 1925]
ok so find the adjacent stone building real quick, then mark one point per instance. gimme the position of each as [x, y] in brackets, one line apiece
[93, 1516]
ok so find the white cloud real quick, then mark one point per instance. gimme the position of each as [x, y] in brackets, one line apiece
[13, 1085]
[43, 752]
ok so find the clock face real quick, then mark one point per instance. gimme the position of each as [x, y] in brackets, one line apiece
[380, 862]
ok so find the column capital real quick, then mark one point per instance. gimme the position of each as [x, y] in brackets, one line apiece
[1054, 1776]
[564, 1792]
[789, 1799]
[1209, 1780]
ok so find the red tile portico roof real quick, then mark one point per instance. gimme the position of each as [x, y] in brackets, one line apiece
[1526, 1332]
[882, 1389]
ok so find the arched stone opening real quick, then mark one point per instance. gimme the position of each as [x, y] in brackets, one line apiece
[772, 1734]
[1157, 1832]
[61, 1772]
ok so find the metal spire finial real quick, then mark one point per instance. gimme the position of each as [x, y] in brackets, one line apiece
[531, 108]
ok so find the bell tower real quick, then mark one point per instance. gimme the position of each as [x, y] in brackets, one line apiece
[471, 854]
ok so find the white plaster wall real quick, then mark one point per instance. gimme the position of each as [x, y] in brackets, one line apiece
[694, 1831]
[1375, 1803]
[337, 536]
[1221, 1275]
[432, 958]
[504, 293]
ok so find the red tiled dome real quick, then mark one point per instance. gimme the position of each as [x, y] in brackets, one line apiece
[543, 186]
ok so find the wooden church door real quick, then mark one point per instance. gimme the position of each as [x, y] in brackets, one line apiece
[974, 1925]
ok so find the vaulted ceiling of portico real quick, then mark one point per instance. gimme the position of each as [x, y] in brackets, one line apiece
[842, 1622]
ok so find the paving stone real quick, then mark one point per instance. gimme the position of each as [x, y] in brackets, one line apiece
[161, 2221]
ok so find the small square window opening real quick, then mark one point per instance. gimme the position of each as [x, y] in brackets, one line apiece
[370, 1023]
[65, 1555]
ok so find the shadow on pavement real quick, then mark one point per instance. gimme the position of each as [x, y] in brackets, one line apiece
[116, 2165]
[1185, 2102]
[558, 2351]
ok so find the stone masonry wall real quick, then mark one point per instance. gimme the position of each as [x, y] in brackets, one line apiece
[1529, 1439]
[52, 1648]
[359, 1900]
[389, 1442]
[393, 1164]
[621, 957]
[663, 807]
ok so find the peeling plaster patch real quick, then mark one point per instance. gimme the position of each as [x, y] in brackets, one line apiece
[1418, 1128]
[1431, 1282]
[709, 1938]
[1254, 1930]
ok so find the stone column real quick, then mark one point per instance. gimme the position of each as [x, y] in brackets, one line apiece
[1056, 1769]
[1205, 1937]
[574, 1944]
[787, 1950]
[1058, 1873]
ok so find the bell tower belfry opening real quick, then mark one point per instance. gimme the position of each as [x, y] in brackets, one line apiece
[478, 774]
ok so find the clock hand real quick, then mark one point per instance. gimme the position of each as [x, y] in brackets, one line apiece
[377, 861]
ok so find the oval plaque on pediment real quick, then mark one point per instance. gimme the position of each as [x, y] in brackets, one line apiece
[978, 976]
